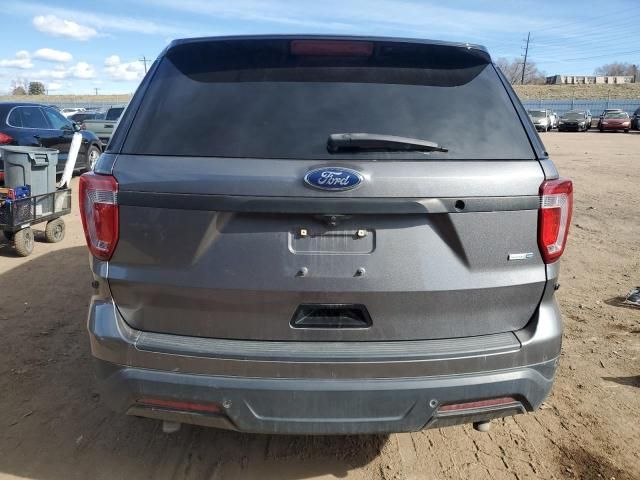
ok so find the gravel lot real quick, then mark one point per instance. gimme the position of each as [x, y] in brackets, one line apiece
[54, 427]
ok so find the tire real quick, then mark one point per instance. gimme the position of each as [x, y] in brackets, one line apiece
[55, 230]
[626, 130]
[93, 153]
[23, 241]
[601, 129]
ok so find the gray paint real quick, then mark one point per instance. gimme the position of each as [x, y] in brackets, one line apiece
[196, 302]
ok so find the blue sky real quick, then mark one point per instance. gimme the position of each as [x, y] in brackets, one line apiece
[75, 46]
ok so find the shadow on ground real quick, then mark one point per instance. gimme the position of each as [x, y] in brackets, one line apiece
[633, 381]
[54, 426]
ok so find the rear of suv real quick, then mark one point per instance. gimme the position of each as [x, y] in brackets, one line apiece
[305, 235]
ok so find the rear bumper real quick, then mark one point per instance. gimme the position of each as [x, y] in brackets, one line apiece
[322, 387]
[322, 406]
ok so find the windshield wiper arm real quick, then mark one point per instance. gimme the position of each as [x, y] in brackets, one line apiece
[374, 141]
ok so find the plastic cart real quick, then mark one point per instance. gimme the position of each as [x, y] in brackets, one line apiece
[17, 216]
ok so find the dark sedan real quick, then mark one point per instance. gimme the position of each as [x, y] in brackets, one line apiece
[575, 120]
[635, 119]
[30, 124]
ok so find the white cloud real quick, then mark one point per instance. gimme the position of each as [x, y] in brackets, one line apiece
[82, 70]
[119, 71]
[97, 23]
[22, 59]
[51, 55]
[59, 27]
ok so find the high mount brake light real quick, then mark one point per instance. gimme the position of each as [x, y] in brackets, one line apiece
[554, 218]
[332, 48]
[99, 213]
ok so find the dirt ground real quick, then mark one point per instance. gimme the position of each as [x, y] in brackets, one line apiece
[54, 427]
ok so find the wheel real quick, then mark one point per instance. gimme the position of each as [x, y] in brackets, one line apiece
[92, 158]
[54, 232]
[626, 130]
[23, 241]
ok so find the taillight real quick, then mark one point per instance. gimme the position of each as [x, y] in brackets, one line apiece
[346, 48]
[99, 213]
[5, 139]
[556, 206]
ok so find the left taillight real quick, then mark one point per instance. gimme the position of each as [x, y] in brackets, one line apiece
[99, 213]
[556, 207]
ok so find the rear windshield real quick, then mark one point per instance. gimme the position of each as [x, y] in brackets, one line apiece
[114, 113]
[537, 113]
[616, 115]
[267, 99]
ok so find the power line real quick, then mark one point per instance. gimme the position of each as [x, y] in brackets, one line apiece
[581, 22]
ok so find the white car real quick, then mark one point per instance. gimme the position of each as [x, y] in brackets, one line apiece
[67, 112]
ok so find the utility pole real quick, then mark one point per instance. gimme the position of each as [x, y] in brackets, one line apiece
[144, 60]
[96, 89]
[526, 53]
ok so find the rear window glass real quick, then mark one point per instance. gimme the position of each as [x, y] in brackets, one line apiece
[32, 117]
[257, 98]
[114, 113]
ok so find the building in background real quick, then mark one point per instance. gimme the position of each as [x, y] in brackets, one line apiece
[588, 79]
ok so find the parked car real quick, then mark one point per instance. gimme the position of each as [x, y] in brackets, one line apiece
[608, 110]
[616, 121]
[589, 118]
[635, 119]
[67, 112]
[541, 120]
[282, 246]
[82, 116]
[104, 127]
[576, 120]
[30, 124]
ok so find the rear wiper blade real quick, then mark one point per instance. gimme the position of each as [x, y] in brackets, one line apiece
[373, 141]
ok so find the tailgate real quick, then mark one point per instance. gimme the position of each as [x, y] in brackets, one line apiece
[231, 259]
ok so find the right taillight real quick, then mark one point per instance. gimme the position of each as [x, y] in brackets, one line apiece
[556, 206]
[99, 213]
[5, 139]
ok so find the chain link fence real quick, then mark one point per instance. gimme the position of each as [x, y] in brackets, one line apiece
[595, 106]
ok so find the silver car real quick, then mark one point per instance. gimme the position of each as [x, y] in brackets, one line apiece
[305, 235]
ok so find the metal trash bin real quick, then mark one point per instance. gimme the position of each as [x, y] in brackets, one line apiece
[33, 166]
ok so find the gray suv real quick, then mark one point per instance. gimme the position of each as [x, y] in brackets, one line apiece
[306, 235]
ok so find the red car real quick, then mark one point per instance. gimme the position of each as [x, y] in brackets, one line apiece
[615, 121]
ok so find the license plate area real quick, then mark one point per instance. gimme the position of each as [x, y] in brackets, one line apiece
[332, 242]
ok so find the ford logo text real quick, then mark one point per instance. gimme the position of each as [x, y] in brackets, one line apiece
[336, 178]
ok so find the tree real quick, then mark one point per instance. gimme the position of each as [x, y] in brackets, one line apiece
[19, 86]
[512, 69]
[617, 69]
[36, 88]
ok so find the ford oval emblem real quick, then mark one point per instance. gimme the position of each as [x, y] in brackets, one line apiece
[333, 178]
